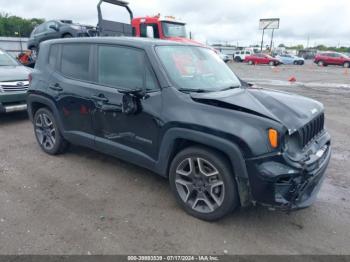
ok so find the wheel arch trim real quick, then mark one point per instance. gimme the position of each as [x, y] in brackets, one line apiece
[230, 149]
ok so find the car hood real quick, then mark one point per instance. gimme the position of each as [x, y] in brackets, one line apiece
[13, 73]
[293, 111]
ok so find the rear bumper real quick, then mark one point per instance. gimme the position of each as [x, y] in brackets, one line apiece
[277, 183]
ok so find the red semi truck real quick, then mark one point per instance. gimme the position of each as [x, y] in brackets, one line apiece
[162, 27]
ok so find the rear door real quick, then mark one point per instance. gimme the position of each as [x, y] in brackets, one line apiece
[72, 88]
[118, 69]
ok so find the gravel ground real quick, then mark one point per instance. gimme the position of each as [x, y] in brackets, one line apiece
[84, 202]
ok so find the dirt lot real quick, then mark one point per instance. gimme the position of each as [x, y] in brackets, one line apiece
[84, 202]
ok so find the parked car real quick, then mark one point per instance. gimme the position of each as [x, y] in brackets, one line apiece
[262, 59]
[57, 29]
[179, 111]
[332, 58]
[13, 84]
[225, 58]
[288, 59]
[239, 56]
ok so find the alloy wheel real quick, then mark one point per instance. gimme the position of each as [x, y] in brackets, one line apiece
[200, 185]
[45, 131]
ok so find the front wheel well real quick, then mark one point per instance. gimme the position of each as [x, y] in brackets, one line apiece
[35, 106]
[181, 144]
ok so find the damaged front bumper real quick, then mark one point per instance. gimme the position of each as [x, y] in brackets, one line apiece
[279, 182]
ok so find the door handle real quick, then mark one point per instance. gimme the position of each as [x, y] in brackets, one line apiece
[56, 87]
[111, 108]
[100, 98]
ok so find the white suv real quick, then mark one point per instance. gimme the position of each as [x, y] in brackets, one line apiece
[239, 56]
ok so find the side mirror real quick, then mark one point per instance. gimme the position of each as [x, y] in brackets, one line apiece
[150, 32]
[130, 104]
[53, 27]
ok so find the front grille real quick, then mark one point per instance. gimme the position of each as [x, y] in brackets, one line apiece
[311, 129]
[15, 86]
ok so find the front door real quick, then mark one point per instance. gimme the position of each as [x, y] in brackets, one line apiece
[119, 70]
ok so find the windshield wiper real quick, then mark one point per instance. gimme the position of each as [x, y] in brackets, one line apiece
[193, 90]
[230, 87]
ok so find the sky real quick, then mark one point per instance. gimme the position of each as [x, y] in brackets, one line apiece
[221, 21]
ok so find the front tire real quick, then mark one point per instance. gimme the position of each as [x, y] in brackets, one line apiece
[203, 183]
[47, 133]
[347, 65]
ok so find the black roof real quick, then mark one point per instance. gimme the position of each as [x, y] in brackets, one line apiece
[130, 41]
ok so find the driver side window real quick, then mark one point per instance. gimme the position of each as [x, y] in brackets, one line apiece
[124, 68]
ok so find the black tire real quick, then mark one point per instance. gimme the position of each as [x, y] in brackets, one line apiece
[67, 36]
[238, 59]
[272, 63]
[347, 65]
[250, 62]
[222, 201]
[321, 63]
[47, 133]
[296, 62]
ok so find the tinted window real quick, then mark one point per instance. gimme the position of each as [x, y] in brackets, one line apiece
[120, 67]
[48, 24]
[75, 61]
[40, 29]
[53, 55]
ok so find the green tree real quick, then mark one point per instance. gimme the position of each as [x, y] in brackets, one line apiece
[10, 24]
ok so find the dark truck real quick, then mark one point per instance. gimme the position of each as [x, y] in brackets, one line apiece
[178, 110]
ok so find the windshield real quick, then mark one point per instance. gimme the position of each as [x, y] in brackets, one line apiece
[171, 29]
[195, 68]
[7, 60]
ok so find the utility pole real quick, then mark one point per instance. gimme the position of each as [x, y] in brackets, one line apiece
[273, 30]
[262, 40]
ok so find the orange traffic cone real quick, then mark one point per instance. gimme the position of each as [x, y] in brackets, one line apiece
[292, 79]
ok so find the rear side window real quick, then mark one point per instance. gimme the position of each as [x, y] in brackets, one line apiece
[120, 67]
[75, 61]
[53, 55]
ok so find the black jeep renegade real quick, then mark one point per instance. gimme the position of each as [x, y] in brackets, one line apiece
[179, 111]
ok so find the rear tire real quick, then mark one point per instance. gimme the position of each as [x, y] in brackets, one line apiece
[203, 183]
[320, 63]
[347, 65]
[250, 62]
[47, 133]
[238, 59]
[272, 63]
